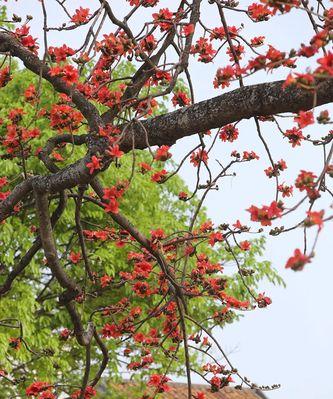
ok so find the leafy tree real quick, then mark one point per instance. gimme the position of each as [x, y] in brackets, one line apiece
[108, 260]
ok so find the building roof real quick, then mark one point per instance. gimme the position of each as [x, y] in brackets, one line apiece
[179, 391]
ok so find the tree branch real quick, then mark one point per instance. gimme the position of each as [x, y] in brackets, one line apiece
[246, 102]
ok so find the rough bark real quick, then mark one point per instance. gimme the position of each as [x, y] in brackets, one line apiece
[258, 100]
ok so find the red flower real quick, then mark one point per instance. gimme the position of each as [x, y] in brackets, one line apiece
[229, 133]
[146, 106]
[263, 300]
[223, 76]
[245, 245]
[75, 257]
[266, 214]
[112, 206]
[198, 157]
[110, 331]
[148, 44]
[304, 119]
[163, 19]
[159, 381]
[144, 167]
[307, 51]
[248, 156]
[30, 43]
[219, 33]
[5, 76]
[326, 64]
[238, 49]
[238, 225]
[204, 49]
[215, 237]
[68, 73]
[286, 191]
[157, 234]
[159, 176]
[111, 195]
[183, 196]
[95, 164]
[298, 261]
[3, 181]
[294, 135]
[16, 115]
[115, 152]
[36, 388]
[162, 153]
[89, 392]
[142, 289]
[142, 269]
[314, 218]
[257, 41]
[30, 93]
[180, 99]
[81, 16]
[162, 77]
[46, 395]
[275, 171]
[206, 226]
[105, 280]
[15, 343]
[305, 181]
[59, 54]
[259, 12]
[57, 157]
[63, 116]
[215, 383]
[64, 334]
[187, 30]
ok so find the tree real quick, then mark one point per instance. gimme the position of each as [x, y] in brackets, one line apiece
[132, 267]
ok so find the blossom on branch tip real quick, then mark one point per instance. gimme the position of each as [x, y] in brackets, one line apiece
[297, 261]
[94, 164]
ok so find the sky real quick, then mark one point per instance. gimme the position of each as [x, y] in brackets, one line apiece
[290, 342]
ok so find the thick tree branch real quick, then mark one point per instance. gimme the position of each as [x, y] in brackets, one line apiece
[46, 235]
[243, 103]
[36, 246]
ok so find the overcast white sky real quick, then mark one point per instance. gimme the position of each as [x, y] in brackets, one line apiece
[291, 341]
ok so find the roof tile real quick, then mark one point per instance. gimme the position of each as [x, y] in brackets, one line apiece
[179, 391]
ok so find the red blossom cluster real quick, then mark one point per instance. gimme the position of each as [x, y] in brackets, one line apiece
[40, 390]
[17, 137]
[297, 261]
[26, 39]
[266, 214]
[112, 196]
[89, 393]
[81, 16]
[306, 182]
[5, 76]
[199, 156]
[64, 117]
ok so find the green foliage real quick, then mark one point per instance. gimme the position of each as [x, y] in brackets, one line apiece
[3, 18]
